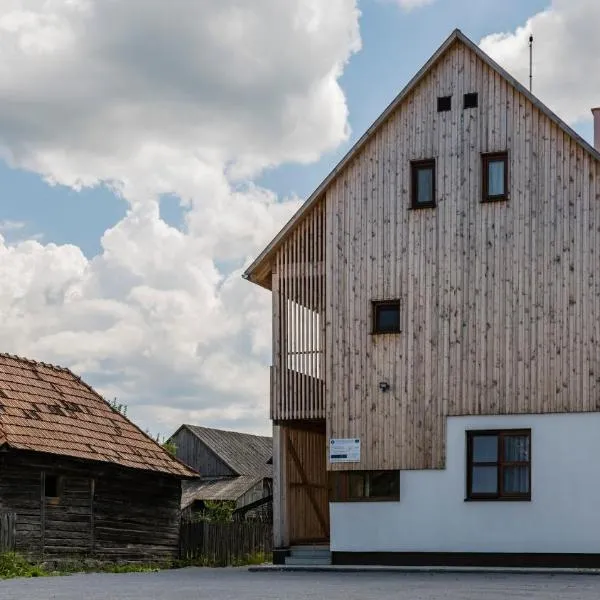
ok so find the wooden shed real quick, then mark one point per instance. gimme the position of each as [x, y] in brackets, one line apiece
[82, 479]
[234, 467]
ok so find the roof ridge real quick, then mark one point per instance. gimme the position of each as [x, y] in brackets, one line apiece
[34, 362]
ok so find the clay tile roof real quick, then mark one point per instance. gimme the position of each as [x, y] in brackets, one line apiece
[44, 408]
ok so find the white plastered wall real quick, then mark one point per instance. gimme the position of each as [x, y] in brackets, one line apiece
[432, 515]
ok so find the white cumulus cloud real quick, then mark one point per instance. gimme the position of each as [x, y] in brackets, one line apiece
[192, 99]
[566, 56]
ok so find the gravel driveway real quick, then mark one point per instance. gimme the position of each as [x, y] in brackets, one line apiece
[239, 584]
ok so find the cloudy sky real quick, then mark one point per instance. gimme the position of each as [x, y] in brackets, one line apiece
[150, 149]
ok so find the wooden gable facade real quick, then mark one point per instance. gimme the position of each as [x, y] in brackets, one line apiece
[499, 301]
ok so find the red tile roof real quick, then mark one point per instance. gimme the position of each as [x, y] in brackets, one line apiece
[44, 408]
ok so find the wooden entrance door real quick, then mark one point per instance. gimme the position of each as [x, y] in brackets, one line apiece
[308, 489]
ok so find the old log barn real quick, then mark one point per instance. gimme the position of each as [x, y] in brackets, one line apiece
[436, 333]
[81, 478]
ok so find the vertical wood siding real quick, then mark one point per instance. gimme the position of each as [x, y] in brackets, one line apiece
[196, 454]
[500, 302]
[298, 310]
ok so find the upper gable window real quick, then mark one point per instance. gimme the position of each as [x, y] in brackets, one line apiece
[494, 169]
[423, 183]
[444, 103]
[470, 100]
[386, 316]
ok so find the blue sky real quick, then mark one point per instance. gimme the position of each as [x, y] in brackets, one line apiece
[395, 44]
[181, 108]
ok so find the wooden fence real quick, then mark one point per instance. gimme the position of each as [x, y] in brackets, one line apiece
[224, 543]
[8, 526]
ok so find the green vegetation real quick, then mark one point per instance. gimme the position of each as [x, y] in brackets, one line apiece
[14, 565]
[216, 511]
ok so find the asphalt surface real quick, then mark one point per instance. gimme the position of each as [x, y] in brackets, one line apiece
[239, 584]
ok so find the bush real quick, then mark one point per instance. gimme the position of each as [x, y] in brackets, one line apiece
[14, 565]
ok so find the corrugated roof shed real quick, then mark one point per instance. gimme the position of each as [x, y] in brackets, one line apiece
[244, 453]
[44, 408]
[230, 488]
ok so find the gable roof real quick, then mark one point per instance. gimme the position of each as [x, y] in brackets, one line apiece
[230, 488]
[251, 272]
[45, 408]
[243, 453]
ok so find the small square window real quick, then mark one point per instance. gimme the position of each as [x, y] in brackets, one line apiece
[423, 183]
[386, 316]
[494, 170]
[51, 486]
[470, 100]
[499, 465]
[444, 103]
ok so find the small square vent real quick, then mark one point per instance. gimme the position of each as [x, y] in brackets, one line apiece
[444, 103]
[470, 100]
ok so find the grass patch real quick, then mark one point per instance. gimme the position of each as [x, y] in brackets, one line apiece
[14, 565]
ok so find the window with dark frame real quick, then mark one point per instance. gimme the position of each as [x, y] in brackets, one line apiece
[470, 100]
[366, 486]
[423, 183]
[499, 465]
[494, 170]
[51, 486]
[444, 103]
[386, 316]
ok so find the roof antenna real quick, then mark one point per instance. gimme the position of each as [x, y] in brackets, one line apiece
[531, 63]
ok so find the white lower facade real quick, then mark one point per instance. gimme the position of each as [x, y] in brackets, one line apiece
[432, 515]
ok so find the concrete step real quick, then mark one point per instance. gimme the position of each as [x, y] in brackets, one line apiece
[292, 561]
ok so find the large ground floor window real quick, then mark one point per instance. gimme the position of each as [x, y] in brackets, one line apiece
[499, 465]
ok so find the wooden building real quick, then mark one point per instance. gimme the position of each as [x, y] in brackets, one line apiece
[82, 479]
[234, 467]
[436, 333]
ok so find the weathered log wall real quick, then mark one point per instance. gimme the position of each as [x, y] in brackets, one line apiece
[102, 511]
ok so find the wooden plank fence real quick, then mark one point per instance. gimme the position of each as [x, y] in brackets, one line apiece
[224, 543]
[8, 527]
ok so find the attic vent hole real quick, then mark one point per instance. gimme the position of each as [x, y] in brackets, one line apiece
[470, 100]
[444, 103]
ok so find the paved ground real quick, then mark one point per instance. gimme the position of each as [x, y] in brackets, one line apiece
[239, 584]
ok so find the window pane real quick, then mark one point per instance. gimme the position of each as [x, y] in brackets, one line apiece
[425, 185]
[496, 178]
[356, 487]
[485, 448]
[484, 480]
[384, 484]
[388, 318]
[515, 480]
[516, 448]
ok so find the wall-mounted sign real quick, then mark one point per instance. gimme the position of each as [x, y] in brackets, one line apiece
[344, 450]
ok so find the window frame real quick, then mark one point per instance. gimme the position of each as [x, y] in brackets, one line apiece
[340, 486]
[500, 464]
[415, 167]
[486, 159]
[375, 305]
